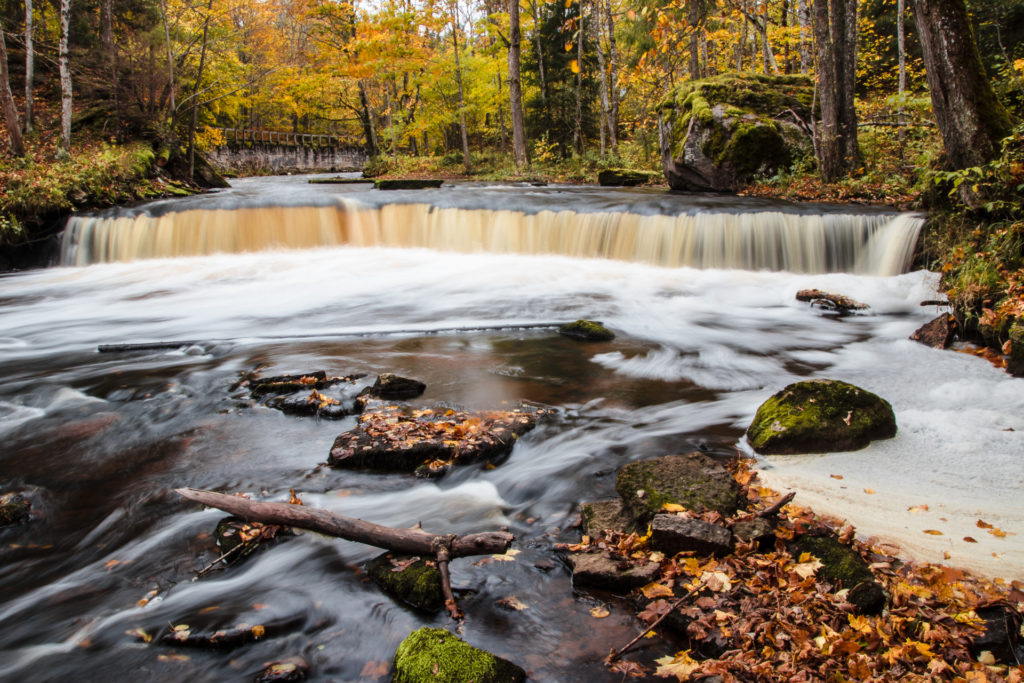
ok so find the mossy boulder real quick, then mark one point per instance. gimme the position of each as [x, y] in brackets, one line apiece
[413, 580]
[586, 330]
[844, 569]
[820, 416]
[727, 130]
[437, 656]
[1015, 364]
[693, 480]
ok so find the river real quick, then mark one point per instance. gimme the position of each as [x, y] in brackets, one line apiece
[100, 440]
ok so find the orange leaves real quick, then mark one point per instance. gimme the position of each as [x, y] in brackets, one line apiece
[995, 531]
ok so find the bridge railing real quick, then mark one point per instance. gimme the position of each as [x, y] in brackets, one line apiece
[244, 137]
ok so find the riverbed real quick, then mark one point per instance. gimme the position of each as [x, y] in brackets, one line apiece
[101, 440]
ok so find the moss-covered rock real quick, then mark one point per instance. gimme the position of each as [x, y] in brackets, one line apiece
[727, 130]
[413, 580]
[604, 515]
[844, 568]
[820, 416]
[437, 656]
[1015, 365]
[586, 330]
[694, 480]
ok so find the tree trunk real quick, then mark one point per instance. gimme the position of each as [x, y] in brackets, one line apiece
[901, 49]
[171, 105]
[595, 27]
[540, 52]
[65, 79]
[767, 55]
[803, 20]
[693, 20]
[10, 111]
[369, 129]
[578, 120]
[195, 92]
[107, 11]
[30, 68]
[515, 88]
[970, 118]
[613, 79]
[835, 32]
[458, 80]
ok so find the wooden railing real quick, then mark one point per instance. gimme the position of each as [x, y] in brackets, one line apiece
[246, 137]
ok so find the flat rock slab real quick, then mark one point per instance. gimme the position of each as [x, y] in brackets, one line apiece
[312, 394]
[671, 534]
[407, 183]
[391, 387]
[758, 531]
[820, 416]
[400, 439]
[938, 333]
[596, 570]
[694, 481]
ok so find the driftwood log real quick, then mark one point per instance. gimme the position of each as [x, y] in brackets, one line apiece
[443, 547]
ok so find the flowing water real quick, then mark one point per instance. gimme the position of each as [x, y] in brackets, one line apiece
[101, 440]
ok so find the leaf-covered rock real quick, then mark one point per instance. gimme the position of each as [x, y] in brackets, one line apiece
[597, 570]
[694, 481]
[395, 438]
[412, 579]
[311, 394]
[436, 656]
[820, 416]
[606, 514]
[726, 130]
[844, 568]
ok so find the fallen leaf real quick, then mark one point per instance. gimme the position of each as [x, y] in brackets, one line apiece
[869, 491]
[139, 634]
[375, 669]
[600, 612]
[968, 539]
[258, 631]
[513, 603]
[681, 666]
[656, 590]
[984, 525]
[509, 556]
[933, 532]
[672, 507]
[918, 508]
[808, 568]
[836, 476]
[174, 657]
[211, 608]
[716, 582]
[998, 533]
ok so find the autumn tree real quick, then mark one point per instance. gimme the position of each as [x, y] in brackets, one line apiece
[835, 34]
[65, 78]
[515, 90]
[7, 101]
[970, 118]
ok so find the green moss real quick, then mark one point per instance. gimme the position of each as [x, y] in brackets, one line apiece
[755, 148]
[844, 568]
[586, 330]
[14, 509]
[694, 480]
[437, 656]
[820, 416]
[411, 579]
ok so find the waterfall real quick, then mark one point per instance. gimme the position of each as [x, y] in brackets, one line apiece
[871, 244]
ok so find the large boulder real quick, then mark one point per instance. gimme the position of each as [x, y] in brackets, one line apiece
[820, 416]
[694, 481]
[727, 130]
[437, 656]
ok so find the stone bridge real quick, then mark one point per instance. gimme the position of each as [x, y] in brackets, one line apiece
[247, 151]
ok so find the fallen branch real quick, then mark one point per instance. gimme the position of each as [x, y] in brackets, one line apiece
[778, 505]
[615, 654]
[404, 541]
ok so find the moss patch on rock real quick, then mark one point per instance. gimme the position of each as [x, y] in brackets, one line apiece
[820, 416]
[435, 655]
[412, 579]
[586, 330]
[694, 480]
[844, 568]
[14, 509]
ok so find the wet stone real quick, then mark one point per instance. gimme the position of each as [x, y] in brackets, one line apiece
[605, 515]
[843, 567]
[284, 670]
[671, 534]
[758, 531]
[836, 303]
[401, 439]
[694, 480]
[394, 388]
[586, 330]
[314, 394]
[15, 508]
[596, 570]
[412, 579]
[938, 333]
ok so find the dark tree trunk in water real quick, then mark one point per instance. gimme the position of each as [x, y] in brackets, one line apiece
[969, 116]
[835, 32]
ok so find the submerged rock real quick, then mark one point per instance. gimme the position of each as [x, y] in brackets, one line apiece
[310, 394]
[844, 568]
[820, 416]
[284, 671]
[694, 480]
[436, 656]
[586, 330]
[394, 388]
[671, 534]
[724, 131]
[597, 570]
[938, 333]
[394, 438]
[14, 509]
[837, 303]
[412, 579]
[407, 183]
